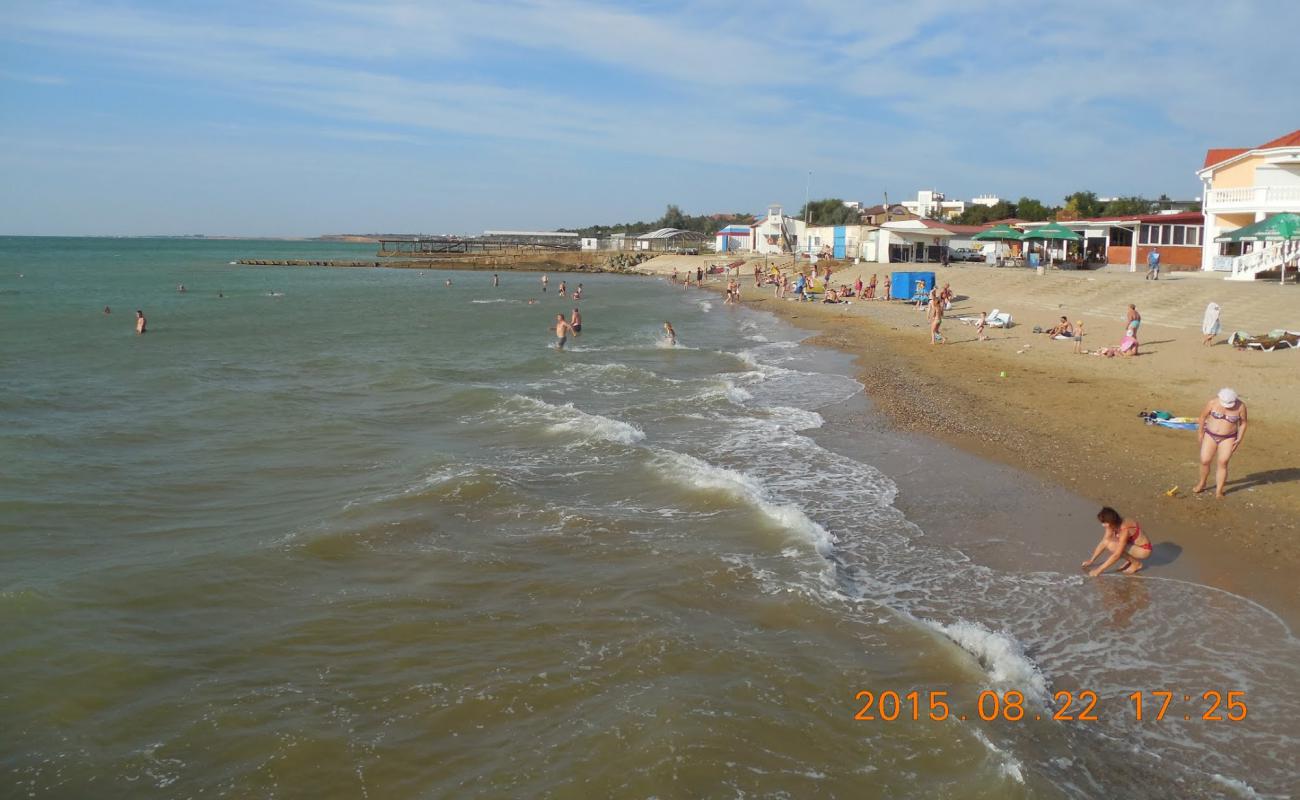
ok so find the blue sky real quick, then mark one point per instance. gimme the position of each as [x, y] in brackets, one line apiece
[316, 116]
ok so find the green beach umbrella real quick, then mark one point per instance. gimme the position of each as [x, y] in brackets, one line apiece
[1277, 228]
[998, 233]
[1053, 230]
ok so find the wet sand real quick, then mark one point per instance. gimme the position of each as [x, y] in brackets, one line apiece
[1070, 421]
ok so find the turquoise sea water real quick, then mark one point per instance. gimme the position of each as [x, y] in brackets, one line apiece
[355, 533]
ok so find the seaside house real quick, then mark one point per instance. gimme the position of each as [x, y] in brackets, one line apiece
[880, 214]
[1242, 186]
[776, 233]
[930, 204]
[912, 240]
[1110, 240]
[836, 241]
[734, 239]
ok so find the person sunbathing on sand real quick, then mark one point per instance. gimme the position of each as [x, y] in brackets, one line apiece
[1121, 537]
[1061, 328]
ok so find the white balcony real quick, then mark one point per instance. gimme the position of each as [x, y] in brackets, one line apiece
[1269, 199]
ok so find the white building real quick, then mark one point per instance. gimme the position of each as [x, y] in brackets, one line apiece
[840, 242]
[910, 240]
[989, 200]
[776, 233]
[930, 204]
[1244, 186]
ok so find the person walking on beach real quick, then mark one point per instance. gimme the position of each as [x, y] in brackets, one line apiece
[979, 326]
[858, 287]
[1153, 264]
[141, 324]
[1121, 537]
[884, 292]
[575, 321]
[1210, 324]
[1078, 336]
[670, 333]
[1220, 430]
[1132, 321]
[699, 276]
[871, 288]
[935, 315]
[562, 331]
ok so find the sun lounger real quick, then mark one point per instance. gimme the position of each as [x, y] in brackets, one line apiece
[1276, 339]
[999, 319]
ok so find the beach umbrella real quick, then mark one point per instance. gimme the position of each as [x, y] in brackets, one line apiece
[1277, 228]
[1053, 231]
[998, 233]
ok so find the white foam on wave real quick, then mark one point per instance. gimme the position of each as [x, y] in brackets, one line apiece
[796, 419]
[705, 306]
[697, 474]
[1239, 788]
[1008, 764]
[1000, 655]
[568, 420]
[496, 300]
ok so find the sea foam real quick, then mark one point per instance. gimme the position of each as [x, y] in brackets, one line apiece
[1000, 655]
[568, 420]
[697, 474]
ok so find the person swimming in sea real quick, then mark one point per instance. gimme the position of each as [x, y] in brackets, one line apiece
[577, 293]
[449, 283]
[562, 331]
[575, 322]
[108, 310]
[141, 324]
[1120, 537]
[670, 333]
[564, 292]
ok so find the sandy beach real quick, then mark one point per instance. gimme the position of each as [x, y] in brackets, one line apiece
[1074, 418]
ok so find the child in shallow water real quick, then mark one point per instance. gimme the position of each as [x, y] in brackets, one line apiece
[1120, 537]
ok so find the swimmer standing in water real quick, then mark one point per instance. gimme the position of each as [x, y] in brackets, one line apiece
[670, 333]
[449, 283]
[577, 293]
[562, 331]
[141, 324]
[496, 280]
[575, 322]
[545, 279]
[563, 291]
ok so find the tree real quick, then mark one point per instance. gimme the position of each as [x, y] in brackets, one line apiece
[980, 214]
[673, 218]
[830, 211]
[1128, 207]
[1032, 210]
[1081, 205]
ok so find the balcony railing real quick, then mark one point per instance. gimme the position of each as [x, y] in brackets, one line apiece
[1264, 198]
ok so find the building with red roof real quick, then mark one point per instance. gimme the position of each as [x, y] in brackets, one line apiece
[1242, 186]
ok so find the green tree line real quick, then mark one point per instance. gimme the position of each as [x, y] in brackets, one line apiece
[1079, 205]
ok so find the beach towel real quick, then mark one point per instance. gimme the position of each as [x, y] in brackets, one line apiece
[1210, 322]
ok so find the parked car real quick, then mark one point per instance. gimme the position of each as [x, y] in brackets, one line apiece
[965, 254]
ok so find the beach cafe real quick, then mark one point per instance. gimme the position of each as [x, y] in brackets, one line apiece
[1126, 241]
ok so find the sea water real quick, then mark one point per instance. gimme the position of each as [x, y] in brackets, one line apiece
[355, 533]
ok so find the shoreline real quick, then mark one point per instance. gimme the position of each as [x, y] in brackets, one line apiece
[1246, 544]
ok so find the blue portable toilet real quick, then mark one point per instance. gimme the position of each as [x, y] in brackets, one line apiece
[926, 278]
[900, 286]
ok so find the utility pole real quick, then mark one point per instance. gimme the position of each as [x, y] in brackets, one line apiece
[806, 199]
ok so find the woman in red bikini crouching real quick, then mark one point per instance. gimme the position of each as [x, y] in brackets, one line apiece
[1123, 538]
